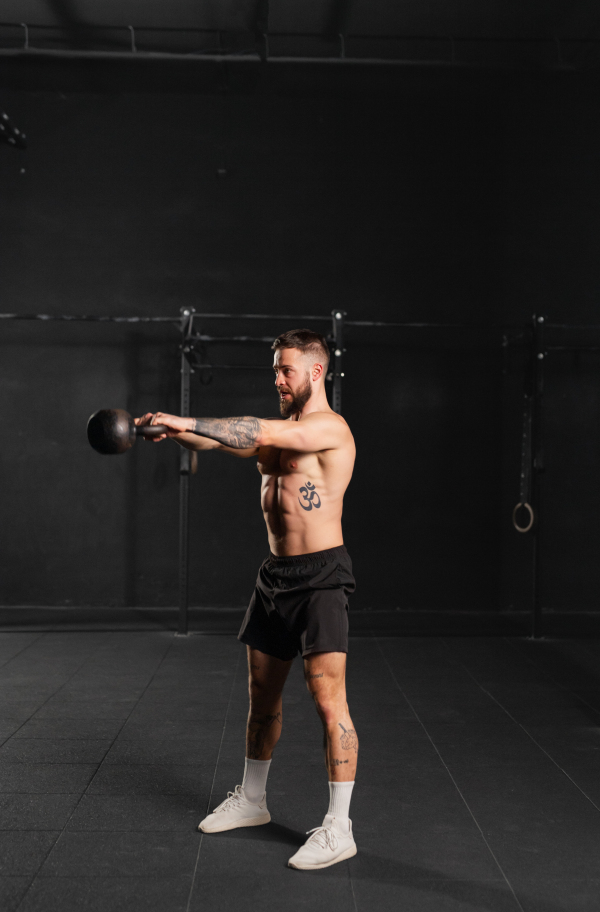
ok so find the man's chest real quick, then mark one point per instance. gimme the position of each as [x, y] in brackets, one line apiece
[279, 463]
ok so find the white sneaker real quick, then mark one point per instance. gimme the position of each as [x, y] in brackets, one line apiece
[235, 811]
[327, 845]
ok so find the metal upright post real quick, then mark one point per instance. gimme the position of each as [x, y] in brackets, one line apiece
[539, 356]
[338, 352]
[187, 318]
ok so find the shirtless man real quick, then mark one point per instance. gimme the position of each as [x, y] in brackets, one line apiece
[300, 603]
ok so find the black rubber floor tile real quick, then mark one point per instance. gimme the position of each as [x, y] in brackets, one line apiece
[163, 729]
[8, 727]
[579, 744]
[262, 877]
[184, 711]
[107, 894]
[154, 751]
[535, 855]
[567, 663]
[86, 691]
[447, 852]
[586, 777]
[509, 667]
[185, 696]
[18, 710]
[558, 894]
[391, 885]
[71, 729]
[138, 813]
[491, 746]
[86, 710]
[38, 692]
[36, 778]
[61, 750]
[537, 705]
[118, 854]
[36, 812]
[22, 852]
[123, 779]
[12, 890]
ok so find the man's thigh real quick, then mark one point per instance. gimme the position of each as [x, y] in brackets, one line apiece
[325, 673]
[267, 673]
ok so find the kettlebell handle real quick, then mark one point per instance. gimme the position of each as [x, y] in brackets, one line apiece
[150, 430]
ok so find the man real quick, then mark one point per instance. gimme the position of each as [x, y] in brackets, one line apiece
[301, 597]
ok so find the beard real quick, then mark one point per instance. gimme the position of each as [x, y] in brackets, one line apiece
[288, 407]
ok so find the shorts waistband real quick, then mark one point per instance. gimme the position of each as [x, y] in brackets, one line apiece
[329, 554]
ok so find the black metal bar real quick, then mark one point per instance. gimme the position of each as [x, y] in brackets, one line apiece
[75, 318]
[572, 325]
[338, 352]
[86, 318]
[204, 338]
[538, 356]
[184, 476]
[247, 316]
[349, 36]
[573, 348]
[384, 323]
[198, 365]
[47, 54]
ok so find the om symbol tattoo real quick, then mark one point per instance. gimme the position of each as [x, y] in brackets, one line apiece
[309, 493]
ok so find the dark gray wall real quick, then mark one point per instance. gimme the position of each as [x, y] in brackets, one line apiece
[456, 197]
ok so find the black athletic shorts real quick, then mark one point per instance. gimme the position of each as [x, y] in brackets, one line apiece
[300, 604]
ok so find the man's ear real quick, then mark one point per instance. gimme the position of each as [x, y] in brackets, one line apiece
[317, 371]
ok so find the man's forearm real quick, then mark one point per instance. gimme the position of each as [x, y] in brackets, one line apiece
[238, 433]
[194, 442]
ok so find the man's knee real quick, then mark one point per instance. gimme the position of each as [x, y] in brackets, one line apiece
[330, 704]
[264, 692]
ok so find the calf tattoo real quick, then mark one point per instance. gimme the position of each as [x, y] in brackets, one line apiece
[309, 492]
[348, 740]
[258, 726]
[237, 433]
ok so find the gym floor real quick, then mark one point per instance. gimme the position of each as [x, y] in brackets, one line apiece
[478, 784]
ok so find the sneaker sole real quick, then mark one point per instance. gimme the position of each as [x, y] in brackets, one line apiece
[327, 864]
[248, 822]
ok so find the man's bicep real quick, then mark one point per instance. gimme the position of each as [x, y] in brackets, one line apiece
[246, 453]
[308, 436]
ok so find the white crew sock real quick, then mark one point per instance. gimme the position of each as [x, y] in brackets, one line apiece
[255, 779]
[340, 794]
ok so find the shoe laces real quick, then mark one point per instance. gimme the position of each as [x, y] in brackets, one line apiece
[234, 799]
[324, 837]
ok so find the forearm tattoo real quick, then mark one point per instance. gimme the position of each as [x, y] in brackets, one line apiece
[237, 433]
[258, 726]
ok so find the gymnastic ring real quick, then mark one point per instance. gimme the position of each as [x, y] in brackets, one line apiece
[529, 509]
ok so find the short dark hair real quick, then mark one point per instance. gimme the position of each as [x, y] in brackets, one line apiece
[306, 341]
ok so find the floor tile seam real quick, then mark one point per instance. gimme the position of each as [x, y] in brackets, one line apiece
[531, 737]
[47, 700]
[63, 829]
[237, 665]
[24, 649]
[558, 684]
[504, 877]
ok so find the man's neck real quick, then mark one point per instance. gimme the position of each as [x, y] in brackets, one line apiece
[316, 403]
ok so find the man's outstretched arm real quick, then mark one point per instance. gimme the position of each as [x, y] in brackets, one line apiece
[318, 431]
[180, 431]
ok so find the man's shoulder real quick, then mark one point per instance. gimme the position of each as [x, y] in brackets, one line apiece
[329, 418]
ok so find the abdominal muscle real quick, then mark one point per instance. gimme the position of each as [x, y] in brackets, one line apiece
[301, 515]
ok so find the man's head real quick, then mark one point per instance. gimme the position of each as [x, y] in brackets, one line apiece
[300, 364]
